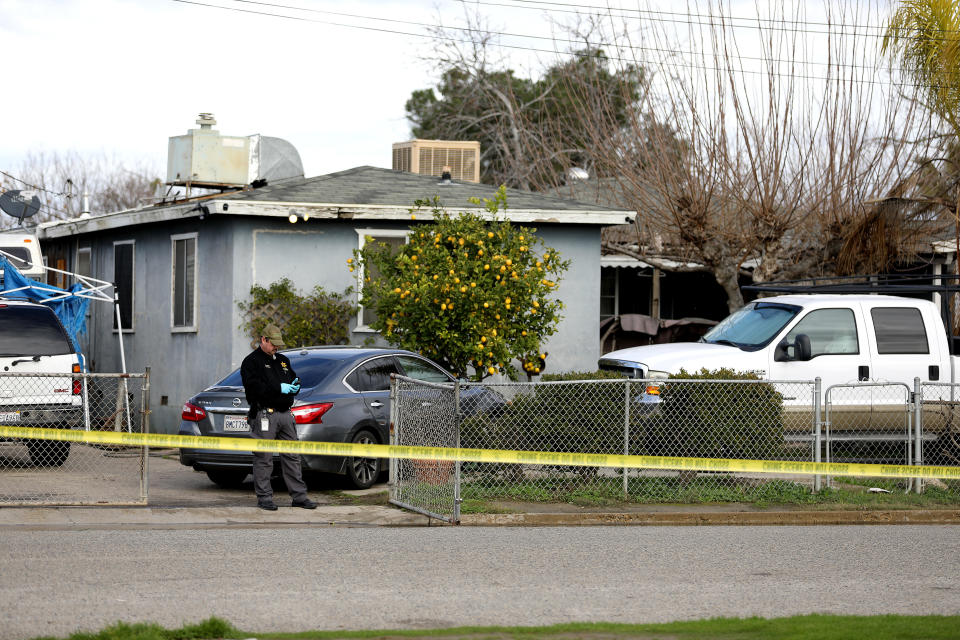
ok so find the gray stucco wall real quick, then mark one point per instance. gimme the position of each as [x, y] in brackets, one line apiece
[180, 362]
[233, 252]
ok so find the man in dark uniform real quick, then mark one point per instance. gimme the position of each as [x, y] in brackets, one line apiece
[270, 384]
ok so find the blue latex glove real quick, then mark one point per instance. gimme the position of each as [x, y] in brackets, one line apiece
[288, 388]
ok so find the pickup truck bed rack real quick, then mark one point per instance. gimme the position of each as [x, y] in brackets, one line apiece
[893, 284]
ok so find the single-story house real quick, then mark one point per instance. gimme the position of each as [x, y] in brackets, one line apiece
[181, 267]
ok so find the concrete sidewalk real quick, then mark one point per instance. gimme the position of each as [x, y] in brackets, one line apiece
[66, 518]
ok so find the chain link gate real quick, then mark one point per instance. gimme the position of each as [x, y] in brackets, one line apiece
[424, 414]
[938, 412]
[52, 472]
[869, 422]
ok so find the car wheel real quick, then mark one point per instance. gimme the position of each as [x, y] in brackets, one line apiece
[48, 453]
[363, 472]
[228, 478]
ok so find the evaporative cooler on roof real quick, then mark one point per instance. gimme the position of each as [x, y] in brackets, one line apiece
[429, 157]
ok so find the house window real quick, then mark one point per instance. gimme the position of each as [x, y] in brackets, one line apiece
[609, 282]
[123, 262]
[184, 282]
[395, 238]
[83, 266]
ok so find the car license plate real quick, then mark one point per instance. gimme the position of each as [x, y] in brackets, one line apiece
[6, 417]
[235, 423]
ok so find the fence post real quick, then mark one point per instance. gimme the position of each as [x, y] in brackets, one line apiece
[626, 439]
[918, 429]
[86, 400]
[817, 445]
[392, 427]
[118, 408]
[456, 444]
[145, 428]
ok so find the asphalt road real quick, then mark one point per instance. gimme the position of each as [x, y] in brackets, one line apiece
[291, 579]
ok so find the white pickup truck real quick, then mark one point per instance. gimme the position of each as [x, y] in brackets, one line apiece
[843, 339]
[837, 337]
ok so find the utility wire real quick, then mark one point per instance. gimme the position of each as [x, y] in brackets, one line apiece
[641, 62]
[656, 15]
[33, 186]
[851, 65]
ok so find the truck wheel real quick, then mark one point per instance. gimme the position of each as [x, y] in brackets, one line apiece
[48, 453]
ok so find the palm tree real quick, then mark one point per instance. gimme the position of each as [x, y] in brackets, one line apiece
[924, 36]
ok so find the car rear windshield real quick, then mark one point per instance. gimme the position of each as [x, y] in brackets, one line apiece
[312, 369]
[31, 331]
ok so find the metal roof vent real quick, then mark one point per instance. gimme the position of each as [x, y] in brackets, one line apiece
[204, 158]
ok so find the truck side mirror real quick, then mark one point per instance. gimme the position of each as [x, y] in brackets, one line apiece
[801, 349]
[782, 351]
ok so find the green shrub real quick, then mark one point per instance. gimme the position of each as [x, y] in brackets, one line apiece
[600, 374]
[716, 420]
[316, 318]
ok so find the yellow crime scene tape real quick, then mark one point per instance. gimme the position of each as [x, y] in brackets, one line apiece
[159, 440]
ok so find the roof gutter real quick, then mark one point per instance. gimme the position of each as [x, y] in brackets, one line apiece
[309, 211]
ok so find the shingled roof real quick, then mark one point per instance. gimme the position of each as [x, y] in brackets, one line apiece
[385, 187]
[361, 193]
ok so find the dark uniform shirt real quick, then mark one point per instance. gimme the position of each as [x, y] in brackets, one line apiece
[262, 375]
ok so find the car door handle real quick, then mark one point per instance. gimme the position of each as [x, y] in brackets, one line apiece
[376, 404]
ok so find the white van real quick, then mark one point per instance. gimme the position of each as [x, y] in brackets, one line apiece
[23, 252]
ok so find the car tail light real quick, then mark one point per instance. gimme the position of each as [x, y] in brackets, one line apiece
[192, 413]
[77, 387]
[310, 413]
[653, 390]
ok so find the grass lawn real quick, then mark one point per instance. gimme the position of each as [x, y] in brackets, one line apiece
[812, 627]
[845, 493]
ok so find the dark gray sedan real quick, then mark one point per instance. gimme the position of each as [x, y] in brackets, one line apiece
[344, 397]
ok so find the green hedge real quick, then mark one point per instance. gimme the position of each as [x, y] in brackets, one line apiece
[716, 420]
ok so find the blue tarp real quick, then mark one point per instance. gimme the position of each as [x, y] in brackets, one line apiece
[71, 309]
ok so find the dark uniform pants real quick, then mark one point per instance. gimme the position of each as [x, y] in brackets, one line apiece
[280, 426]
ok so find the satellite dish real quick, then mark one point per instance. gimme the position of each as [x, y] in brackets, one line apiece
[20, 203]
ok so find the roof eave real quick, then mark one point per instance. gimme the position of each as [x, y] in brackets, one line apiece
[312, 210]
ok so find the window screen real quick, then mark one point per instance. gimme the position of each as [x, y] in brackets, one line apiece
[184, 281]
[368, 315]
[899, 330]
[123, 280]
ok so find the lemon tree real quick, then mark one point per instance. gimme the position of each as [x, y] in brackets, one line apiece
[472, 292]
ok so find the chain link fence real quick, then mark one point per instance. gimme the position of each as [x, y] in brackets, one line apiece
[425, 415]
[52, 472]
[939, 415]
[681, 418]
[733, 419]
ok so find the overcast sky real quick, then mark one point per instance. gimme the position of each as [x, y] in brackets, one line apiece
[121, 77]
